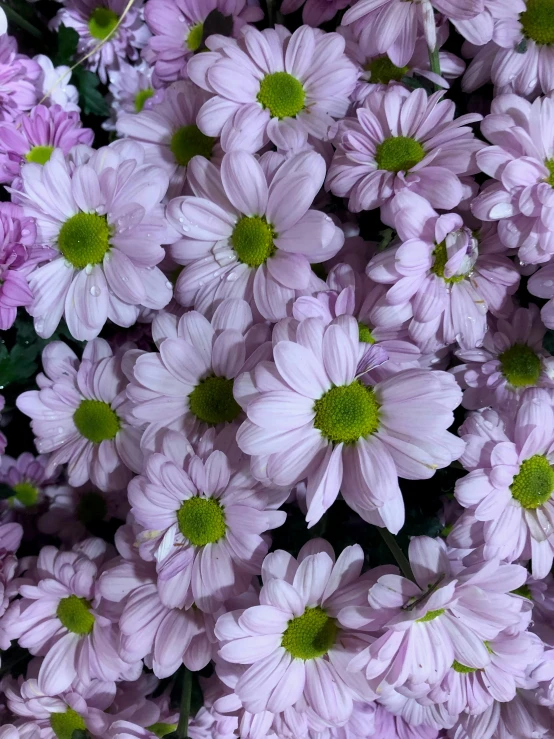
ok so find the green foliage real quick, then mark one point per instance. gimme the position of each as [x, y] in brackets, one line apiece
[68, 38]
[91, 99]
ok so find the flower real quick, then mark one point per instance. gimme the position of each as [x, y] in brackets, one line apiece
[269, 81]
[250, 235]
[10, 539]
[18, 75]
[106, 242]
[511, 481]
[33, 138]
[53, 83]
[202, 522]
[117, 30]
[9, 731]
[311, 415]
[178, 31]
[295, 648]
[401, 139]
[169, 134]
[26, 476]
[314, 12]
[78, 416]
[131, 90]
[510, 360]
[448, 276]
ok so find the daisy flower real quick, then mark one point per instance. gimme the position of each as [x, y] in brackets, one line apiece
[33, 138]
[78, 416]
[131, 90]
[251, 234]
[26, 476]
[178, 31]
[401, 139]
[169, 134]
[53, 83]
[10, 539]
[511, 481]
[522, 717]
[388, 725]
[95, 21]
[18, 77]
[295, 648]
[269, 81]
[314, 12]
[445, 273]
[510, 360]
[107, 241]
[202, 523]
[311, 415]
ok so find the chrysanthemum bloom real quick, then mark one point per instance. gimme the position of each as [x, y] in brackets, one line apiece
[408, 716]
[107, 239]
[53, 82]
[511, 481]
[63, 619]
[447, 615]
[169, 134]
[314, 12]
[401, 139]
[522, 162]
[33, 138]
[391, 26]
[311, 415]
[444, 273]
[270, 80]
[178, 31]
[78, 416]
[202, 523]
[95, 22]
[389, 726]
[188, 385]
[10, 539]
[296, 649]
[131, 90]
[251, 235]
[511, 360]
[18, 75]
[26, 477]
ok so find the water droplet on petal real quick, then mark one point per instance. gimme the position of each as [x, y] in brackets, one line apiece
[88, 269]
[95, 291]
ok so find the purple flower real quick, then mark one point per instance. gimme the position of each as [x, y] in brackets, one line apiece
[53, 83]
[18, 75]
[27, 478]
[10, 539]
[131, 90]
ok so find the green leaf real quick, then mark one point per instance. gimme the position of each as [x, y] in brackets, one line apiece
[68, 38]
[17, 365]
[92, 101]
[80, 734]
[548, 341]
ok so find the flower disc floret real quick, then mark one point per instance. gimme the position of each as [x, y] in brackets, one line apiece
[534, 483]
[252, 240]
[25, 493]
[399, 154]
[212, 401]
[201, 521]
[310, 635]
[549, 164]
[39, 154]
[282, 94]
[538, 21]
[430, 616]
[364, 333]
[84, 239]
[194, 39]
[384, 71]
[75, 615]
[141, 97]
[188, 142]
[96, 421]
[64, 724]
[440, 256]
[346, 413]
[102, 23]
[462, 669]
[520, 365]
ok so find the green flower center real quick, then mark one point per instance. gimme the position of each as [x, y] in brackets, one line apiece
[84, 239]
[141, 97]
[538, 21]
[346, 413]
[383, 71]
[212, 401]
[462, 669]
[188, 142]
[534, 483]
[364, 334]
[75, 615]
[399, 154]
[440, 258]
[252, 240]
[102, 22]
[549, 164]
[25, 493]
[161, 729]
[310, 635]
[520, 365]
[523, 591]
[194, 39]
[91, 509]
[96, 421]
[430, 616]
[282, 94]
[39, 154]
[201, 521]
[64, 724]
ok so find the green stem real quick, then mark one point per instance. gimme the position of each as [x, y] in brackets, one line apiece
[397, 553]
[269, 4]
[435, 63]
[14, 17]
[184, 710]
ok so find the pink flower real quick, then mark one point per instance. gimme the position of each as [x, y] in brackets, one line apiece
[447, 274]
[311, 415]
[250, 233]
[295, 648]
[269, 81]
[18, 75]
[107, 240]
[27, 478]
[78, 416]
[202, 523]
[314, 12]
[95, 21]
[401, 139]
[178, 30]
[131, 90]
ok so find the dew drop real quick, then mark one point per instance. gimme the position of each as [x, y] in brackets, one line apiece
[169, 285]
[88, 269]
[95, 291]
